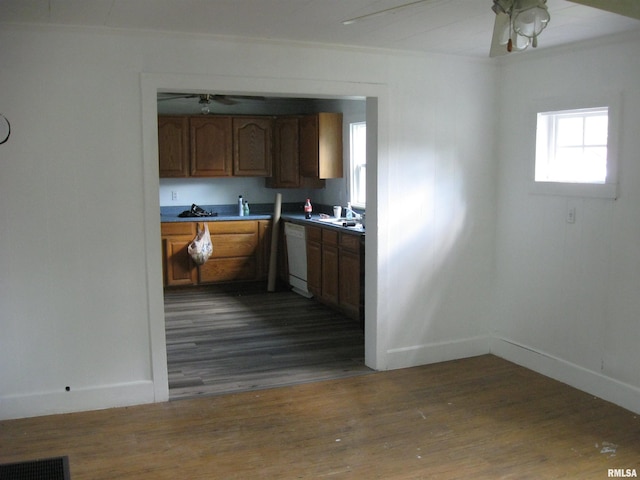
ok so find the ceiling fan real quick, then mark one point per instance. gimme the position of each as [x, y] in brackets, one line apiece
[519, 22]
[205, 99]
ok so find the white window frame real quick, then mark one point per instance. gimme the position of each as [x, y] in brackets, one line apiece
[356, 167]
[606, 189]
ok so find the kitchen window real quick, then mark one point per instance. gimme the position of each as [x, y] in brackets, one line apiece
[576, 152]
[358, 164]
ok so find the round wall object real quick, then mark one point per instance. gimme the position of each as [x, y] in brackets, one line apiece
[5, 129]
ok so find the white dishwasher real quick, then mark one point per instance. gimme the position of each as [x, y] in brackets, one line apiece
[297, 257]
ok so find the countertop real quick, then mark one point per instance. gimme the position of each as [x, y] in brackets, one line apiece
[218, 218]
[224, 213]
[317, 222]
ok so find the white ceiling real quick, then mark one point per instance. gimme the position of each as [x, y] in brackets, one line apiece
[459, 27]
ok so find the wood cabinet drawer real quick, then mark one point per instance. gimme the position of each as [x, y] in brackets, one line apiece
[228, 269]
[242, 226]
[234, 245]
[177, 228]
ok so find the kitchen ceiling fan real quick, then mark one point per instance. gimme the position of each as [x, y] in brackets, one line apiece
[205, 99]
[519, 22]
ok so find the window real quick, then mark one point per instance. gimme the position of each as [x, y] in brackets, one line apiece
[571, 146]
[576, 146]
[358, 164]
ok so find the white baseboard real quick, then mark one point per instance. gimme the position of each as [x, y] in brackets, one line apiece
[437, 352]
[595, 383]
[95, 398]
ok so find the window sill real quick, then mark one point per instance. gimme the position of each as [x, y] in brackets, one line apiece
[589, 190]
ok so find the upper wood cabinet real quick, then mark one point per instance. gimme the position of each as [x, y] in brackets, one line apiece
[211, 146]
[286, 163]
[291, 151]
[252, 146]
[321, 145]
[173, 146]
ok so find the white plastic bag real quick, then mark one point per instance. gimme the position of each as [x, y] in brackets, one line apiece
[200, 247]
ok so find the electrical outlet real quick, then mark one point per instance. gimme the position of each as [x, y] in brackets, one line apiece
[174, 195]
[571, 215]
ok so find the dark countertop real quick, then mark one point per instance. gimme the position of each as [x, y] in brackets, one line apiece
[218, 218]
[260, 212]
[223, 213]
[316, 222]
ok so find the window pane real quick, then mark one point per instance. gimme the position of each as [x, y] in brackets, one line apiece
[596, 130]
[571, 146]
[569, 131]
[358, 164]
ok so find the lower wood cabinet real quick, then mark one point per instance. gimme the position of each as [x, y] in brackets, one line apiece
[314, 260]
[178, 267]
[335, 269]
[238, 252]
[330, 262]
[235, 249]
[351, 275]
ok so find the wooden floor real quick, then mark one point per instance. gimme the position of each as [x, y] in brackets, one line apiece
[239, 337]
[480, 418]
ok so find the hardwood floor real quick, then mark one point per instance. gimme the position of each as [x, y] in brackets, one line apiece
[480, 418]
[238, 337]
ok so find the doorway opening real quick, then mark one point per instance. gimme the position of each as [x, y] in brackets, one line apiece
[230, 337]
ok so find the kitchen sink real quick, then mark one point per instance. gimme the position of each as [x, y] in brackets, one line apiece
[340, 222]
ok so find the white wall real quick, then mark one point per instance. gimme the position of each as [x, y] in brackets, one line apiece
[568, 298]
[80, 257]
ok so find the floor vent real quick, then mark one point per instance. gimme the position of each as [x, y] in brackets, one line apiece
[44, 469]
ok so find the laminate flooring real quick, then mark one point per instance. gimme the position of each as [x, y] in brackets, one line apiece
[235, 338]
[480, 418]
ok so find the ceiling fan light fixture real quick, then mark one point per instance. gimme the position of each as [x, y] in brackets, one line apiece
[519, 43]
[205, 100]
[529, 18]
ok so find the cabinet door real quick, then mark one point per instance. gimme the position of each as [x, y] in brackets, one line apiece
[173, 146]
[330, 264]
[321, 145]
[252, 146]
[314, 268]
[286, 168]
[308, 128]
[211, 146]
[350, 282]
[314, 260]
[330, 287]
[180, 268]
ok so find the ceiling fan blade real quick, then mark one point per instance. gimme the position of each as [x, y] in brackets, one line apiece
[628, 8]
[175, 96]
[248, 97]
[501, 30]
[222, 99]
